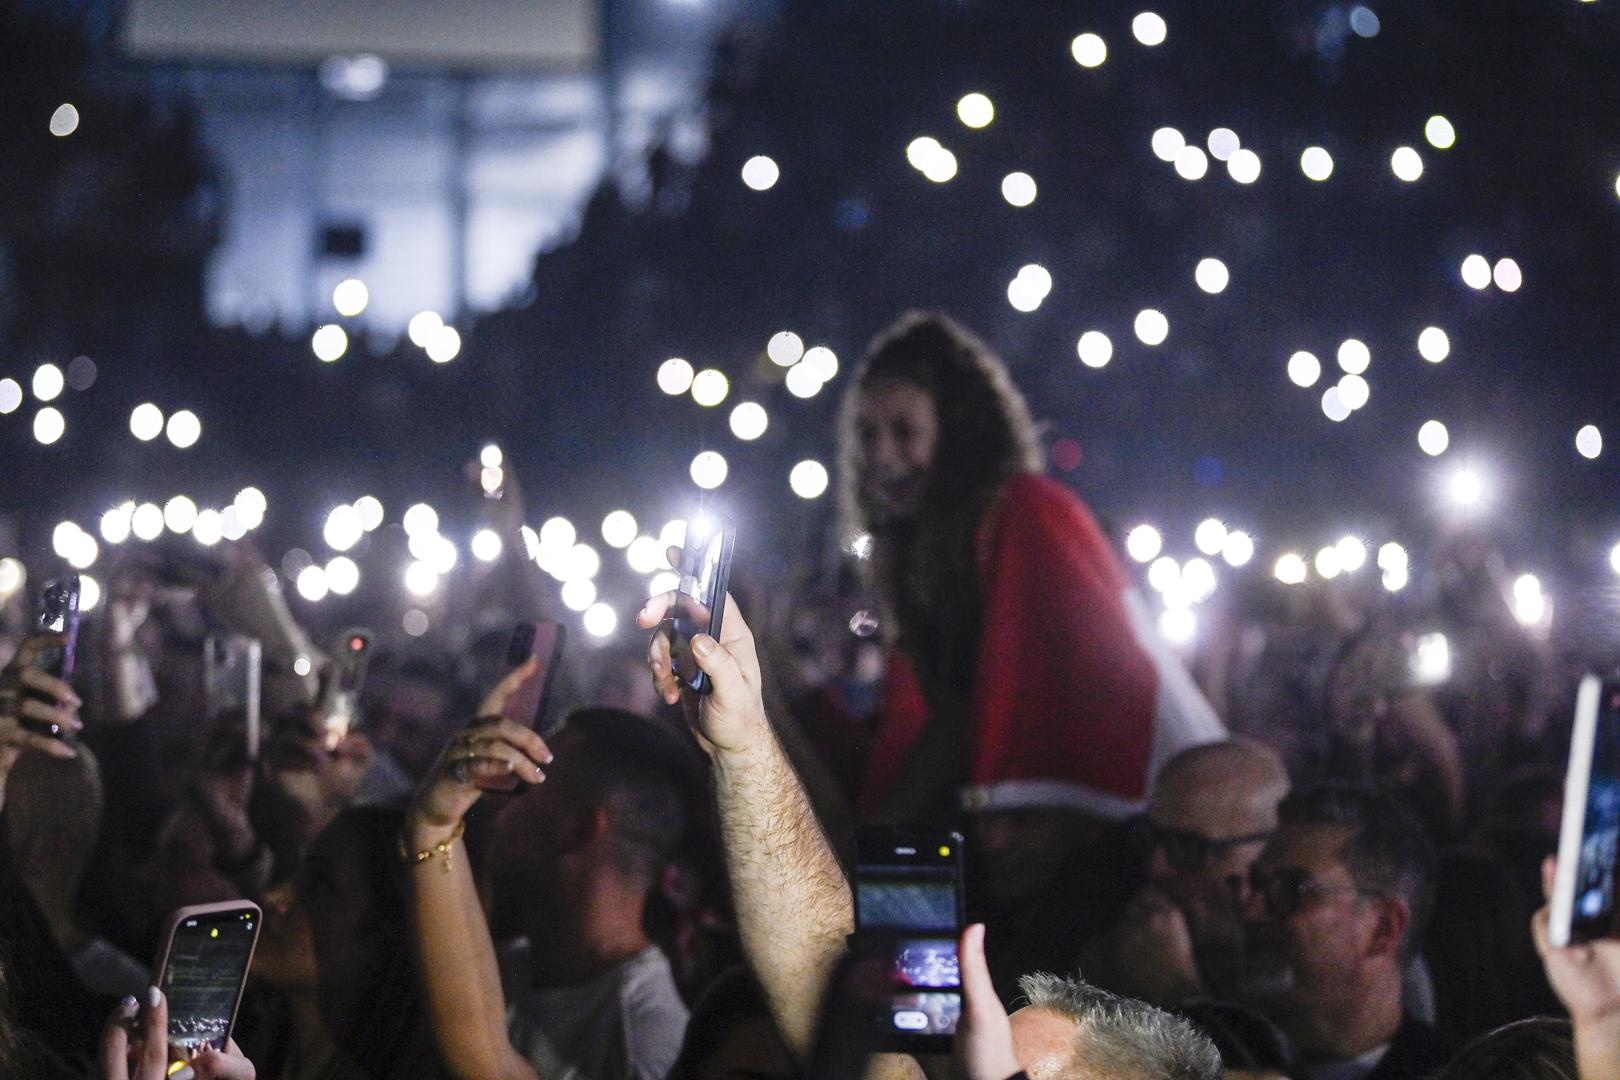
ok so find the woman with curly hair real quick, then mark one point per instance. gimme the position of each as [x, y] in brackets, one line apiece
[1023, 674]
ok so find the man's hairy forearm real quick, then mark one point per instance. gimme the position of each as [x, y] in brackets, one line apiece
[794, 908]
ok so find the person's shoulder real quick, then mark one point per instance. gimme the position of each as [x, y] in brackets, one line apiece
[652, 1013]
[1416, 1051]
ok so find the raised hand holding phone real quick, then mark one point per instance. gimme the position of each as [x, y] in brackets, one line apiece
[492, 753]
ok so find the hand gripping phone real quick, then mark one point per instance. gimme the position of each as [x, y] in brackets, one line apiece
[700, 600]
[909, 907]
[59, 614]
[1584, 903]
[202, 965]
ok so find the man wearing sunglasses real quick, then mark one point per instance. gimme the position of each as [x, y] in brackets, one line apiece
[1212, 810]
[1336, 903]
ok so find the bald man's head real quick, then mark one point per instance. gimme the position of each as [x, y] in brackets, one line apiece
[1220, 790]
[1071, 1030]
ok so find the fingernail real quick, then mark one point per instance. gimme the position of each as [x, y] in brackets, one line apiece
[128, 1005]
[703, 644]
[154, 996]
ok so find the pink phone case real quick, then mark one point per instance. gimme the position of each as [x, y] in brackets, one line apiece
[179, 916]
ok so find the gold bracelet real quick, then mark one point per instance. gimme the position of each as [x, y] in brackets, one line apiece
[412, 858]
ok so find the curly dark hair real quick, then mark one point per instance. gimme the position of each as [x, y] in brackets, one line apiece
[986, 437]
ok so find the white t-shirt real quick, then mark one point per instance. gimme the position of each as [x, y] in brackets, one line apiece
[625, 1024]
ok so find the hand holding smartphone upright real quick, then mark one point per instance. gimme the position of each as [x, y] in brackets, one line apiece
[1585, 901]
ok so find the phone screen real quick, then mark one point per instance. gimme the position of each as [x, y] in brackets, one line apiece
[1590, 892]
[700, 600]
[908, 902]
[203, 974]
[59, 615]
[527, 704]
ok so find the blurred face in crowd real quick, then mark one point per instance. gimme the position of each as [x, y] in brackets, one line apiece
[1310, 932]
[408, 716]
[1211, 813]
[320, 929]
[1020, 853]
[897, 427]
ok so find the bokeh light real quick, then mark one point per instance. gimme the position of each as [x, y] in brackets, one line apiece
[209, 529]
[1149, 28]
[11, 395]
[49, 426]
[179, 514]
[423, 326]
[115, 523]
[1589, 442]
[1529, 602]
[146, 521]
[619, 529]
[343, 528]
[1192, 163]
[1089, 50]
[1334, 407]
[329, 342]
[48, 382]
[486, 545]
[1476, 272]
[822, 360]
[1316, 163]
[748, 422]
[64, 120]
[709, 387]
[1178, 627]
[342, 575]
[1507, 275]
[1354, 356]
[1167, 142]
[444, 345]
[350, 297]
[1244, 166]
[1238, 549]
[1211, 275]
[311, 583]
[785, 348]
[1440, 133]
[1352, 553]
[675, 376]
[421, 519]
[184, 429]
[1095, 349]
[644, 554]
[421, 579]
[1223, 142]
[600, 621]
[1151, 326]
[89, 593]
[1304, 369]
[760, 173]
[1406, 163]
[578, 594]
[1143, 543]
[1210, 536]
[1018, 188]
[1328, 563]
[975, 110]
[1354, 391]
[709, 470]
[1433, 438]
[808, 479]
[250, 506]
[1433, 344]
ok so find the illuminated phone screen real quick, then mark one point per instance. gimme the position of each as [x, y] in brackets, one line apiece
[700, 596]
[908, 900]
[1595, 899]
[202, 978]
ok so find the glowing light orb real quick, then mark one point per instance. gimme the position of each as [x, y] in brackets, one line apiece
[1211, 275]
[1210, 536]
[1149, 28]
[1589, 442]
[808, 479]
[975, 110]
[1304, 369]
[1433, 438]
[675, 376]
[1476, 272]
[350, 297]
[1095, 349]
[1018, 188]
[709, 470]
[1406, 163]
[49, 426]
[1089, 50]
[1151, 326]
[1244, 166]
[1440, 133]
[1316, 163]
[184, 429]
[748, 422]
[329, 343]
[619, 529]
[785, 348]
[1143, 543]
[1433, 344]
[760, 173]
[710, 387]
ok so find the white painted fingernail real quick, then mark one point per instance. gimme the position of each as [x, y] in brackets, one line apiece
[154, 997]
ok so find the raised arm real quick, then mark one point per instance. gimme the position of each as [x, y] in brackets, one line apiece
[455, 957]
[793, 902]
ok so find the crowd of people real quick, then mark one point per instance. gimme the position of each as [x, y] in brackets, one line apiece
[1288, 857]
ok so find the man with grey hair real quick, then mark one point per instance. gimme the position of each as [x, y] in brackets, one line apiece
[1070, 1030]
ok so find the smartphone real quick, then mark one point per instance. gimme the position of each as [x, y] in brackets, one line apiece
[700, 601]
[1583, 904]
[231, 671]
[202, 964]
[544, 639]
[340, 696]
[59, 614]
[909, 905]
